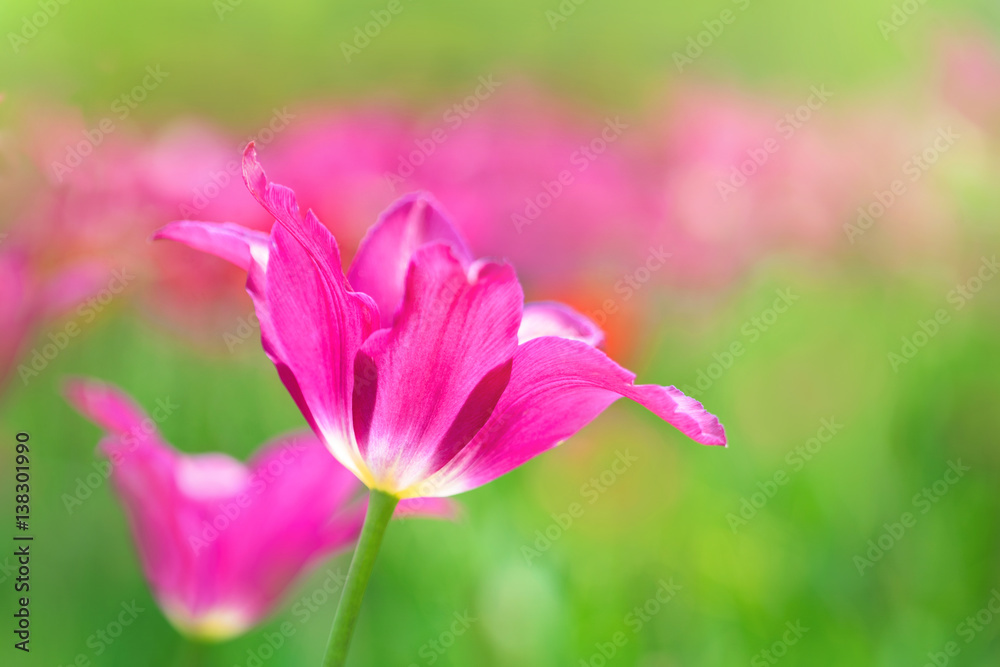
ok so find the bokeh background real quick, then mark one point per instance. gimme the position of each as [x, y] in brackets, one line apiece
[760, 537]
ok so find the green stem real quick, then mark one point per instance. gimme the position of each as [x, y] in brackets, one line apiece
[190, 653]
[380, 508]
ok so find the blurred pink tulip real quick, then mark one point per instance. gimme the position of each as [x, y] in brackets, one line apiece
[551, 189]
[220, 541]
[969, 71]
[28, 301]
[102, 195]
[743, 179]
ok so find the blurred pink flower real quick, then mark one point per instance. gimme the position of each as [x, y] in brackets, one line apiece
[29, 300]
[102, 200]
[734, 188]
[532, 181]
[744, 178]
[96, 204]
[220, 541]
[435, 377]
[552, 190]
[969, 71]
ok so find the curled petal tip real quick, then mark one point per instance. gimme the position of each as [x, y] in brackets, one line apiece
[161, 234]
[253, 173]
[79, 389]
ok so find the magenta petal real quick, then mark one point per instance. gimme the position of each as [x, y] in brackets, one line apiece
[301, 506]
[379, 268]
[548, 318]
[111, 409]
[16, 309]
[280, 202]
[233, 243]
[424, 387]
[556, 387]
[65, 291]
[143, 471]
[312, 327]
[312, 324]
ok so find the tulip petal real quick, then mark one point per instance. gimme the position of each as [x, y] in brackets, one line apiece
[312, 324]
[556, 387]
[143, 471]
[424, 387]
[234, 243]
[111, 409]
[300, 507]
[66, 290]
[312, 327]
[308, 231]
[379, 268]
[549, 318]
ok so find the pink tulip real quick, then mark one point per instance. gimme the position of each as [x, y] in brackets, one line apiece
[221, 541]
[422, 370]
